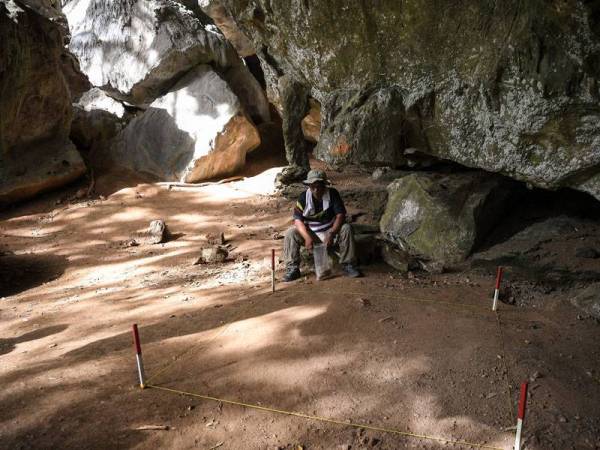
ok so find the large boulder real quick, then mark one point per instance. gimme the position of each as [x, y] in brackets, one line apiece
[38, 169]
[442, 217]
[509, 87]
[35, 106]
[195, 132]
[135, 50]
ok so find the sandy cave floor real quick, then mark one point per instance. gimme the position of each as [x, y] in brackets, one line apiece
[422, 355]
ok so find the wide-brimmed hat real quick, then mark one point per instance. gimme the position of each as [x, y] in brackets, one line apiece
[316, 175]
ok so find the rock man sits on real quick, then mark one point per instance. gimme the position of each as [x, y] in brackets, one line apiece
[319, 217]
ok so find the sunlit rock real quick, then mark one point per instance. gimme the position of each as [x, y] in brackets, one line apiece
[135, 50]
[195, 132]
[443, 217]
[249, 92]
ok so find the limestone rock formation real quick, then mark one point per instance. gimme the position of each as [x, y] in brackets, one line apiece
[195, 132]
[442, 217]
[508, 87]
[294, 101]
[364, 127]
[311, 124]
[35, 100]
[136, 50]
[217, 12]
[97, 119]
[38, 168]
[249, 92]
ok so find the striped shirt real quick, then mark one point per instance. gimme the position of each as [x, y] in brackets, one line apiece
[319, 220]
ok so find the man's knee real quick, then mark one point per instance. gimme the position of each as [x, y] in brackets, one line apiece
[291, 234]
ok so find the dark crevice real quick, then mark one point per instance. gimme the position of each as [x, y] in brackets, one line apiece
[531, 206]
[253, 64]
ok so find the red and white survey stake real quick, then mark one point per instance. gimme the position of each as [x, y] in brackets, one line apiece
[521, 416]
[138, 355]
[273, 269]
[497, 290]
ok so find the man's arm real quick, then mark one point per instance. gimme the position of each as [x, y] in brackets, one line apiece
[308, 240]
[335, 228]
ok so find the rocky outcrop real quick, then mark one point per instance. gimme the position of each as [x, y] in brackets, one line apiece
[441, 217]
[38, 169]
[294, 101]
[195, 132]
[311, 124]
[97, 119]
[35, 106]
[136, 50]
[217, 12]
[249, 92]
[509, 87]
[164, 56]
[363, 127]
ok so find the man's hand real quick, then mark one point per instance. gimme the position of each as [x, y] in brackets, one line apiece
[308, 243]
[329, 239]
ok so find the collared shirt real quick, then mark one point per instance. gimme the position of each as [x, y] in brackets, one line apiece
[320, 220]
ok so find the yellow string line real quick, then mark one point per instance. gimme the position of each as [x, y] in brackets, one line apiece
[317, 418]
[324, 419]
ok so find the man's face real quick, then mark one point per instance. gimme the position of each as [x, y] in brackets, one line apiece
[317, 189]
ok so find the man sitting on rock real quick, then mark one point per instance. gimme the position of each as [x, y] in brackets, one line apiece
[319, 217]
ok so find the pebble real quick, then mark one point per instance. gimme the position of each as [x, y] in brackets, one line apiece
[535, 376]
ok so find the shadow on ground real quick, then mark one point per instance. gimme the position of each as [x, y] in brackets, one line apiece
[25, 271]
